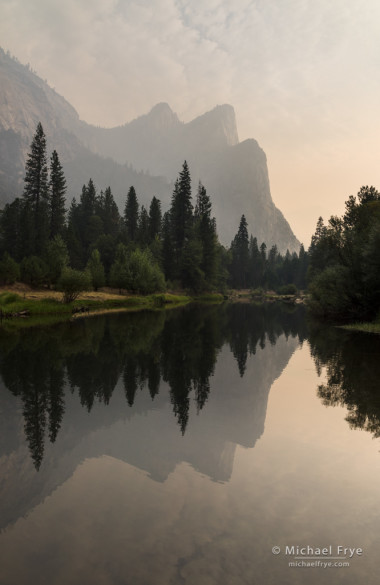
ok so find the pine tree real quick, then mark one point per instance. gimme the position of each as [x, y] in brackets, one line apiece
[155, 218]
[36, 193]
[131, 215]
[119, 273]
[206, 230]
[182, 209]
[181, 217]
[10, 229]
[167, 247]
[109, 213]
[90, 225]
[272, 277]
[255, 268]
[240, 256]
[74, 242]
[143, 235]
[57, 201]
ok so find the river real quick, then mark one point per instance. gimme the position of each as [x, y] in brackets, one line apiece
[208, 445]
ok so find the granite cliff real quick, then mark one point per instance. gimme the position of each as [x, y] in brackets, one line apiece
[148, 153]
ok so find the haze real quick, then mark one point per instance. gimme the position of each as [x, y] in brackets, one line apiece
[302, 76]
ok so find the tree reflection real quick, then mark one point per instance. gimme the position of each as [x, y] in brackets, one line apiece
[91, 356]
[353, 372]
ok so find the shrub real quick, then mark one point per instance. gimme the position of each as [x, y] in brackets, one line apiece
[287, 289]
[7, 298]
[9, 270]
[73, 282]
[34, 271]
[144, 275]
[96, 269]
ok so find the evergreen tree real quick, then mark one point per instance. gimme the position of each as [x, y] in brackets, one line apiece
[88, 200]
[181, 216]
[167, 247]
[109, 213]
[143, 235]
[106, 245]
[36, 193]
[57, 196]
[89, 225]
[74, 242]
[206, 231]
[240, 256]
[303, 263]
[192, 276]
[272, 276]
[11, 229]
[119, 273]
[255, 264]
[155, 218]
[263, 258]
[131, 215]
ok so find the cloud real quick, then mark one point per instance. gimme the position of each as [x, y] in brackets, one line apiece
[115, 59]
[302, 75]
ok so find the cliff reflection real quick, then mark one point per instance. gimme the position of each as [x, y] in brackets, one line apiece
[353, 373]
[90, 357]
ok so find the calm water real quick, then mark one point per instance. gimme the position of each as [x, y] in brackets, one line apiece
[182, 447]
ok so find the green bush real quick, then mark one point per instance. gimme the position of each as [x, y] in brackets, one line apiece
[9, 270]
[6, 298]
[257, 292]
[34, 271]
[287, 289]
[96, 269]
[72, 283]
[145, 277]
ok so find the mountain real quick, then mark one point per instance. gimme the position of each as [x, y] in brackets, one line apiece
[147, 153]
[25, 100]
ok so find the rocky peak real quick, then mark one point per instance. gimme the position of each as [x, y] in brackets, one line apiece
[161, 118]
[219, 123]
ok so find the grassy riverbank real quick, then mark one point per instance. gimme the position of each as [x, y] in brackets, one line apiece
[23, 306]
[364, 327]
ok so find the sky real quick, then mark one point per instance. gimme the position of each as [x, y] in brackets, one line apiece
[302, 75]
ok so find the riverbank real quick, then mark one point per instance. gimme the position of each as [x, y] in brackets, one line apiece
[22, 305]
[363, 327]
[261, 296]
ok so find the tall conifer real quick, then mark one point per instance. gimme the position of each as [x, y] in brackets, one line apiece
[36, 194]
[131, 214]
[57, 196]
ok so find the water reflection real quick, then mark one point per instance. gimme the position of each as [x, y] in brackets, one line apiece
[91, 356]
[152, 476]
[353, 373]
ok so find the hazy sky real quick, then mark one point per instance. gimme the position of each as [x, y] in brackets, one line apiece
[303, 76]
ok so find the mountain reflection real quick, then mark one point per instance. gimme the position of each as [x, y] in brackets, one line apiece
[353, 372]
[89, 357]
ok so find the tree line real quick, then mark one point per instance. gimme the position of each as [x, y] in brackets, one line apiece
[344, 271]
[142, 250]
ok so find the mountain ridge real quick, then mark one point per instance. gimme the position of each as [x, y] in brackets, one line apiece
[147, 152]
